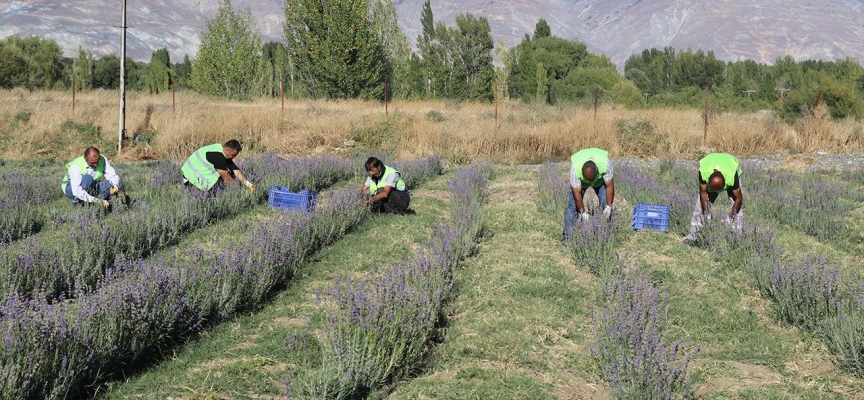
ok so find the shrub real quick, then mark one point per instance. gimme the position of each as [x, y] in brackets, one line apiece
[639, 137]
[435, 116]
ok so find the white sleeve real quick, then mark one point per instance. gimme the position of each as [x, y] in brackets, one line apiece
[111, 175]
[575, 182]
[608, 175]
[75, 183]
[392, 179]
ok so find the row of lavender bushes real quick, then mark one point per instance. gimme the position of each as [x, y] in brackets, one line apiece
[22, 202]
[817, 206]
[811, 294]
[72, 259]
[631, 349]
[379, 327]
[58, 348]
[30, 189]
[630, 346]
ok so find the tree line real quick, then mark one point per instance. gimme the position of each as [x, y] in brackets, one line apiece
[355, 49]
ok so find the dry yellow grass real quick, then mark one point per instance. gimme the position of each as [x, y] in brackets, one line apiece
[457, 131]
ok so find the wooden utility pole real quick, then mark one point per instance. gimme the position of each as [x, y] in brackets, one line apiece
[818, 97]
[386, 112]
[121, 133]
[73, 92]
[496, 104]
[748, 91]
[282, 91]
[173, 96]
[596, 94]
[705, 115]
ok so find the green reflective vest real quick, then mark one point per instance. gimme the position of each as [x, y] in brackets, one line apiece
[725, 163]
[198, 171]
[599, 156]
[400, 184]
[82, 166]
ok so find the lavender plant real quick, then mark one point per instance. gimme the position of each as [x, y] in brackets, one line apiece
[806, 293]
[844, 332]
[815, 206]
[552, 187]
[630, 348]
[23, 201]
[418, 171]
[594, 244]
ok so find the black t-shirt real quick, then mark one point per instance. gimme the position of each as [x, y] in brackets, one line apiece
[220, 162]
[733, 187]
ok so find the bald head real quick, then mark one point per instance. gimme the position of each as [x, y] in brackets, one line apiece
[716, 182]
[589, 171]
[91, 155]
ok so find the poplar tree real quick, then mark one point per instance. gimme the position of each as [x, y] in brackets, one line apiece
[229, 61]
[335, 49]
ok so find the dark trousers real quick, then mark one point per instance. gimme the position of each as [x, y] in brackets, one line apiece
[396, 203]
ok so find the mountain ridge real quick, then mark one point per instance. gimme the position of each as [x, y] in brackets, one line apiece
[732, 29]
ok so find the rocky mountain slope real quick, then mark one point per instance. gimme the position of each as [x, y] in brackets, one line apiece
[733, 29]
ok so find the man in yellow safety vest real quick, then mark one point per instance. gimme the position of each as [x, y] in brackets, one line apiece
[90, 179]
[590, 168]
[385, 187]
[718, 172]
[211, 166]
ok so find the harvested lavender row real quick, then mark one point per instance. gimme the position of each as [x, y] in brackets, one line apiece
[377, 328]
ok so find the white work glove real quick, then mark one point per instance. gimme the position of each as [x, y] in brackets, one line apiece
[249, 186]
[584, 216]
[729, 221]
[607, 212]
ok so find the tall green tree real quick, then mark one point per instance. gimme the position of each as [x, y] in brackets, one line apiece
[558, 58]
[229, 61]
[106, 72]
[542, 29]
[160, 73]
[432, 55]
[83, 69]
[385, 24]
[279, 67]
[13, 66]
[337, 53]
[476, 56]
[183, 72]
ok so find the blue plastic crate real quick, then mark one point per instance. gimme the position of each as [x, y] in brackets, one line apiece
[651, 216]
[282, 198]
